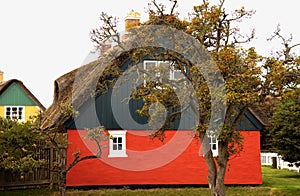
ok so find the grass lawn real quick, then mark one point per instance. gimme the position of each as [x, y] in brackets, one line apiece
[275, 182]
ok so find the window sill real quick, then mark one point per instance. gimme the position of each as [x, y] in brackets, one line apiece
[117, 155]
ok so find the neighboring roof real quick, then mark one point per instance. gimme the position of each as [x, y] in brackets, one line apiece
[260, 115]
[6, 84]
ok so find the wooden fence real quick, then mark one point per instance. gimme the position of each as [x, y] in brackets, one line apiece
[40, 177]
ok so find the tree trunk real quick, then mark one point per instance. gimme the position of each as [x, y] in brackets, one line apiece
[220, 187]
[212, 171]
[216, 173]
[222, 163]
[62, 183]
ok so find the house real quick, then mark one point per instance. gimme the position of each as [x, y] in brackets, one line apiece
[131, 157]
[16, 101]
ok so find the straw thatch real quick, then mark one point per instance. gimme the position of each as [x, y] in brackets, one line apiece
[77, 86]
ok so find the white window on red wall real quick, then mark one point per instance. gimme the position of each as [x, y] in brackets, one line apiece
[15, 113]
[213, 142]
[117, 144]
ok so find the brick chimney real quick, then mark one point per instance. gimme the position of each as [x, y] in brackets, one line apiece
[132, 19]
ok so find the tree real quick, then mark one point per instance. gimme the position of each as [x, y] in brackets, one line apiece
[285, 129]
[213, 28]
[55, 136]
[19, 149]
[281, 72]
[22, 142]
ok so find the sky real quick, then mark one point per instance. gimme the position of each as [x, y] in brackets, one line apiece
[42, 40]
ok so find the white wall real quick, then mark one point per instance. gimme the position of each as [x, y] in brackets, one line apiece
[266, 159]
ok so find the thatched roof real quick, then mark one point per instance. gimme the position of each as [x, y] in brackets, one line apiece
[78, 86]
[6, 84]
[63, 88]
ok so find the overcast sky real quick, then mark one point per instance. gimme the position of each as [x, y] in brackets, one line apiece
[42, 40]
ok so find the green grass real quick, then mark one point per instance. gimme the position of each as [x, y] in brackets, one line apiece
[275, 182]
[283, 181]
[33, 192]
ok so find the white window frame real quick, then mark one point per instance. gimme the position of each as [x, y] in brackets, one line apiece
[117, 152]
[213, 143]
[11, 115]
[171, 68]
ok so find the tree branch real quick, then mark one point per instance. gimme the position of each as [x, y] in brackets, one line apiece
[160, 9]
[173, 7]
[78, 159]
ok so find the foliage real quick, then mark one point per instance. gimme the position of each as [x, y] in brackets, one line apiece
[249, 78]
[214, 28]
[55, 136]
[20, 144]
[282, 70]
[285, 129]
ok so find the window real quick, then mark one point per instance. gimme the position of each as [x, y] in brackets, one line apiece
[14, 113]
[213, 142]
[117, 144]
[164, 67]
[263, 159]
[175, 74]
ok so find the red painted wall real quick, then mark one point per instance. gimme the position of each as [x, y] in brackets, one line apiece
[176, 161]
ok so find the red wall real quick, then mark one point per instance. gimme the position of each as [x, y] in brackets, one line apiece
[176, 161]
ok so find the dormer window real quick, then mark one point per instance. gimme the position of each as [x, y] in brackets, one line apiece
[162, 69]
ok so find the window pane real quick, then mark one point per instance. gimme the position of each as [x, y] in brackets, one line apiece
[119, 140]
[115, 140]
[164, 69]
[20, 113]
[150, 65]
[151, 69]
[114, 146]
[213, 140]
[119, 146]
[7, 112]
[214, 147]
[178, 75]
